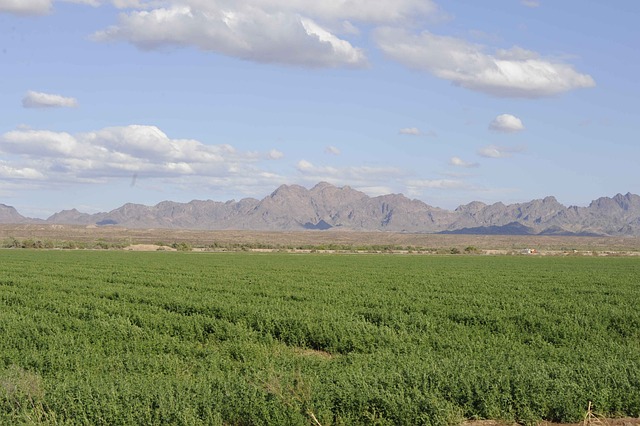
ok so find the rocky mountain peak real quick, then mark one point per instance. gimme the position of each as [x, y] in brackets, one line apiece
[325, 206]
[283, 190]
[9, 214]
[322, 186]
[472, 207]
[627, 201]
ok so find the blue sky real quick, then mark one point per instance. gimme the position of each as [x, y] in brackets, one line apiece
[105, 102]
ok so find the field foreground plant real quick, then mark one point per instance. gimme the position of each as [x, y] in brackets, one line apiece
[118, 338]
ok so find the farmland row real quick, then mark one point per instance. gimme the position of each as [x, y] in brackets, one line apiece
[242, 338]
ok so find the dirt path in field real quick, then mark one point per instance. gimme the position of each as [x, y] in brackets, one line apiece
[625, 421]
[148, 247]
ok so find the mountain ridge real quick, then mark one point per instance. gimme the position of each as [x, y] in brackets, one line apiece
[325, 206]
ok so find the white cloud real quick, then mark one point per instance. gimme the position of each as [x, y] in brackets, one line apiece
[137, 4]
[46, 100]
[375, 191]
[530, 3]
[305, 166]
[347, 27]
[37, 143]
[378, 11]
[332, 150]
[9, 172]
[412, 131]
[459, 162]
[121, 4]
[25, 7]
[514, 72]
[245, 32]
[290, 32]
[355, 175]
[274, 154]
[436, 184]
[94, 3]
[506, 123]
[493, 151]
[120, 151]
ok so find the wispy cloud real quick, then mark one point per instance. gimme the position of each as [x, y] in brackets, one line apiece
[274, 154]
[436, 184]
[514, 72]
[494, 151]
[411, 131]
[360, 176]
[506, 123]
[8, 171]
[332, 150]
[47, 100]
[459, 162]
[25, 7]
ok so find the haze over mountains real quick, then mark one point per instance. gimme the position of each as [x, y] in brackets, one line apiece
[293, 207]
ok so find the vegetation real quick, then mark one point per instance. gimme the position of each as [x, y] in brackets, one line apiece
[31, 243]
[119, 338]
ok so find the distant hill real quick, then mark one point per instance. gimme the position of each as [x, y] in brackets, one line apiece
[293, 207]
[9, 214]
[513, 228]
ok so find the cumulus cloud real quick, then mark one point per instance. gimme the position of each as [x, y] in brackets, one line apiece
[290, 32]
[120, 151]
[494, 151]
[381, 11]
[459, 162]
[506, 123]
[514, 72]
[25, 7]
[342, 12]
[412, 131]
[46, 100]
[9, 172]
[332, 150]
[239, 30]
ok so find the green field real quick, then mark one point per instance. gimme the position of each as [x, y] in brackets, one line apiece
[122, 338]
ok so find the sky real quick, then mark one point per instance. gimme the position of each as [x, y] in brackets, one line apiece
[104, 102]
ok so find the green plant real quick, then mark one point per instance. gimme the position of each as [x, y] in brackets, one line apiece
[268, 338]
[182, 246]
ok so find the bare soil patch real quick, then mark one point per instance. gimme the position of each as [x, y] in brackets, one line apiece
[624, 421]
[148, 247]
[302, 240]
[314, 353]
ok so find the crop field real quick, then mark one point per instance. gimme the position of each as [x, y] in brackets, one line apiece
[122, 338]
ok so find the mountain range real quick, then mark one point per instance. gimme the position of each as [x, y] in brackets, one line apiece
[325, 206]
